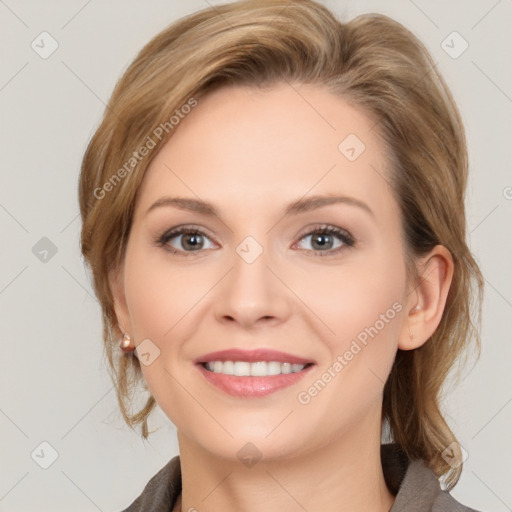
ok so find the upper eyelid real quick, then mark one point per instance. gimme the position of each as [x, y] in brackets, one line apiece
[180, 230]
[321, 227]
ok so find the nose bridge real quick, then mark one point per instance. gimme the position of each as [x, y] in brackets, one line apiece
[251, 291]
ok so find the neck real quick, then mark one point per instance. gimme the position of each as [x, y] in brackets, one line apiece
[345, 475]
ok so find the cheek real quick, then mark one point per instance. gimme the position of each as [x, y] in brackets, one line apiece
[350, 298]
[158, 295]
[362, 303]
[160, 300]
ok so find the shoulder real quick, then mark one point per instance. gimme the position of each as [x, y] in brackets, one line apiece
[161, 492]
[415, 486]
[420, 491]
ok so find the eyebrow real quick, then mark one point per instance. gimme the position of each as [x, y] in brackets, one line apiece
[300, 206]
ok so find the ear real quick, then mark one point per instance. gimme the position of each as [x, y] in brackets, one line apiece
[116, 282]
[427, 300]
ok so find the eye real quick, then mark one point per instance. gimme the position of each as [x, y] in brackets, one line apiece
[326, 240]
[323, 240]
[185, 239]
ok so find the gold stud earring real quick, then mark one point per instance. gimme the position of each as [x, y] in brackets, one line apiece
[126, 344]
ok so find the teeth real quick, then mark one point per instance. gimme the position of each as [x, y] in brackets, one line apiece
[241, 368]
[257, 369]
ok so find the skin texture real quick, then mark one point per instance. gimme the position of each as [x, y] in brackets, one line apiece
[250, 153]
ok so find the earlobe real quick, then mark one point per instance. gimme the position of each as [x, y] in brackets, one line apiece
[116, 282]
[436, 272]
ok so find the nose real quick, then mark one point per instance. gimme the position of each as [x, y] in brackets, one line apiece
[252, 294]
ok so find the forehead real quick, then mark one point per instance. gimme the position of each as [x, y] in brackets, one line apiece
[242, 147]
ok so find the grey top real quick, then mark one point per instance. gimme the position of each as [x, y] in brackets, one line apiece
[415, 486]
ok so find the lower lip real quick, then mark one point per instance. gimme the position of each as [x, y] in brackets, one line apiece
[252, 387]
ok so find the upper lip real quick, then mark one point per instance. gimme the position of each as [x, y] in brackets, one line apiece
[260, 354]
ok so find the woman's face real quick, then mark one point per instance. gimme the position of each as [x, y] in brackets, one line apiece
[301, 263]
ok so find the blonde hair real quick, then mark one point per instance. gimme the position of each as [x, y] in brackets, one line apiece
[374, 63]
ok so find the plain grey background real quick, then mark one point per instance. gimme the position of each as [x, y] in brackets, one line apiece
[54, 387]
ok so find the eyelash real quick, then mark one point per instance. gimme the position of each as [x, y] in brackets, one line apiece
[343, 235]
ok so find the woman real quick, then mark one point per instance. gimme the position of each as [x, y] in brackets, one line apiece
[273, 213]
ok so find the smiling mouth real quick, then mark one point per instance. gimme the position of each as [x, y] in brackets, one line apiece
[253, 369]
